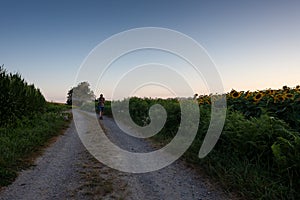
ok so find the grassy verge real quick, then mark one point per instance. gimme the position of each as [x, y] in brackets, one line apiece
[22, 139]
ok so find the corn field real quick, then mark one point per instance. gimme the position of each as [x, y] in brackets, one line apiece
[17, 98]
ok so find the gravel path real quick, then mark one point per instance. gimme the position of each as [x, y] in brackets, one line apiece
[53, 175]
[173, 182]
[67, 171]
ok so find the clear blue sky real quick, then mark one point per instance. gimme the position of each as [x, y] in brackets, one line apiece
[254, 44]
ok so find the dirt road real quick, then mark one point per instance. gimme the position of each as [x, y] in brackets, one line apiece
[67, 171]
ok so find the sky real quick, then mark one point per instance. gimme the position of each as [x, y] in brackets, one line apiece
[253, 44]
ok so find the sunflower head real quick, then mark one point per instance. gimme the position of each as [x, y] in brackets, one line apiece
[289, 95]
[207, 101]
[270, 92]
[201, 101]
[247, 94]
[234, 94]
[232, 91]
[279, 98]
[286, 88]
[258, 97]
[297, 88]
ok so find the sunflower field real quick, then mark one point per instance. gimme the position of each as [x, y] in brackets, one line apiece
[282, 103]
[258, 152]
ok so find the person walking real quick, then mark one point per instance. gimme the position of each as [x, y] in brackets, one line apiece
[101, 102]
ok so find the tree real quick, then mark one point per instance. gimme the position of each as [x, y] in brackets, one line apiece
[81, 94]
[69, 97]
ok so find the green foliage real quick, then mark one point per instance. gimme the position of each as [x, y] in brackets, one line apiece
[88, 106]
[282, 103]
[267, 143]
[56, 107]
[92, 106]
[81, 94]
[27, 121]
[258, 152]
[139, 112]
[69, 97]
[17, 98]
[27, 135]
[107, 108]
